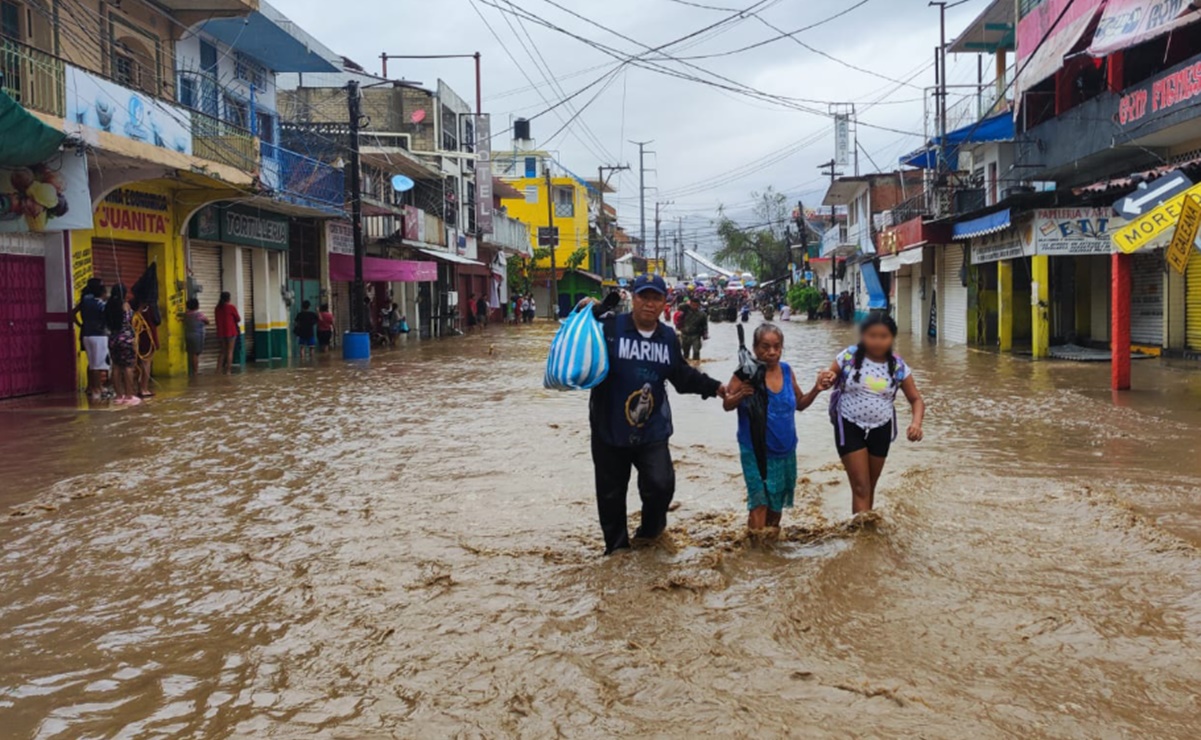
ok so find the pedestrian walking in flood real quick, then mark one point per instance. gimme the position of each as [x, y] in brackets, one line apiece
[122, 347]
[630, 416]
[89, 314]
[305, 327]
[694, 329]
[325, 328]
[471, 319]
[481, 313]
[228, 319]
[195, 324]
[769, 467]
[867, 377]
[530, 309]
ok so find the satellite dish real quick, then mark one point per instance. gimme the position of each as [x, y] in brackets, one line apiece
[418, 116]
[402, 184]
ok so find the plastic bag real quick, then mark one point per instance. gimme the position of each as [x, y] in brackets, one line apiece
[578, 359]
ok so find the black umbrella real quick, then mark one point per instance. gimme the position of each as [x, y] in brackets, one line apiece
[751, 371]
[145, 291]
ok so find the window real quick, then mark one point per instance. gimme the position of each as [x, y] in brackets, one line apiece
[133, 66]
[249, 71]
[992, 183]
[10, 19]
[450, 125]
[531, 194]
[236, 112]
[531, 166]
[469, 135]
[125, 70]
[187, 91]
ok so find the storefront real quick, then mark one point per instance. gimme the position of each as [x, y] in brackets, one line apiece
[1076, 242]
[906, 254]
[469, 277]
[134, 227]
[387, 281]
[970, 275]
[248, 246]
[1192, 317]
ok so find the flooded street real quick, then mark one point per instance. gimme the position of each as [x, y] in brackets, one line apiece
[410, 549]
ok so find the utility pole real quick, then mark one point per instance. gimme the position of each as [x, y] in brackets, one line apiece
[658, 221]
[602, 217]
[642, 191]
[680, 247]
[941, 58]
[358, 293]
[832, 165]
[554, 244]
[479, 92]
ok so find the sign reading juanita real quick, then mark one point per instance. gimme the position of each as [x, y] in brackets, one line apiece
[1061, 232]
[133, 211]
[50, 196]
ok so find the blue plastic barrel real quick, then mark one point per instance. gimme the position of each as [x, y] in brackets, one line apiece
[356, 346]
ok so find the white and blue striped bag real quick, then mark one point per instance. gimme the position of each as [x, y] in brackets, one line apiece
[578, 359]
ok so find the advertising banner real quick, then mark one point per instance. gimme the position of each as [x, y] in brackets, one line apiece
[95, 104]
[1060, 232]
[339, 237]
[483, 174]
[51, 196]
[1126, 23]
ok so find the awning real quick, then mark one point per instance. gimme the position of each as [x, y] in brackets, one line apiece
[992, 31]
[894, 262]
[466, 266]
[270, 37]
[989, 224]
[1064, 39]
[877, 298]
[26, 141]
[380, 270]
[1126, 23]
[995, 128]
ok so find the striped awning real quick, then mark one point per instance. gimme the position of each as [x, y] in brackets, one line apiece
[990, 224]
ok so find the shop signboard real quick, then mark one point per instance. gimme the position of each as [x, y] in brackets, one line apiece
[1186, 232]
[339, 237]
[237, 224]
[134, 214]
[1071, 232]
[1140, 232]
[94, 104]
[483, 174]
[50, 196]
[999, 246]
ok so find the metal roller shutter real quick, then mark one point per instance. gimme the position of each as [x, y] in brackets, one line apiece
[1146, 299]
[1192, 298]
[206, 271]
[247, 307]
[953, 296]
[917, 311]
[118, 262]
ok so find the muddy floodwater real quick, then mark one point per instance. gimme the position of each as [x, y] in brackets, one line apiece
[410, 549]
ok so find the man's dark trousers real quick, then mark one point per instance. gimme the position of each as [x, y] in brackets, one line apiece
[656, 486]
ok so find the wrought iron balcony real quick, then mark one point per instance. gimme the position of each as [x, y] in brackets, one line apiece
[33, 78]
[223, 142]
[302, 180]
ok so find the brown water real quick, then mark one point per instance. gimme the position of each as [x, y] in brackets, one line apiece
[410, 549]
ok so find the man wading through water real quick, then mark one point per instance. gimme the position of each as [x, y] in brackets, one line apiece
[694, 329]
[630, 415]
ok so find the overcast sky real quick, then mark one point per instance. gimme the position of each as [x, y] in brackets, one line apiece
[712, 146]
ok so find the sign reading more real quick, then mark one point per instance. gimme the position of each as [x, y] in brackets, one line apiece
[1140, 232]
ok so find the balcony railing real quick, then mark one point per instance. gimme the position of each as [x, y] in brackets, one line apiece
[33, 78]
[301, 179]
[510, 233]
[223, 142]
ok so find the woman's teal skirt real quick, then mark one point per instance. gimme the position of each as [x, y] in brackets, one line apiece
[777, 495]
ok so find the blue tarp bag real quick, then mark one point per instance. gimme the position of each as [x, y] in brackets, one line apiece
[579, 359]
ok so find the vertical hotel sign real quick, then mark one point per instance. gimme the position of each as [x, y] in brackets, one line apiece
[483, 174]
[842, 139]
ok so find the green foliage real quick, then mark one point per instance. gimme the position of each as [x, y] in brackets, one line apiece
[762, 249]
[804, 298]
[577, 258]
[519, 275]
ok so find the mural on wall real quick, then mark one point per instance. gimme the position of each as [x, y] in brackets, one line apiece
[50, 196]
[95, 103]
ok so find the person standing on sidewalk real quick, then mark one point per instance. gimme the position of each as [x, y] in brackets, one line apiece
[630, 416]
[694, 330]
[93, 335]
[228, 318]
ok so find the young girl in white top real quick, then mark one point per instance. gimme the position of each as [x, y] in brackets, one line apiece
[867, 377]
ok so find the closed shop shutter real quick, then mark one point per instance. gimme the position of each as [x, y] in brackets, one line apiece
[1192, 299]
[206, 271]
[1146, 298]
[247, 306]
[118, 262]
[953, 296]
[916, 309]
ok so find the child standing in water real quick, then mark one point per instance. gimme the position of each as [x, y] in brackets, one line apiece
[867, 377]
[767, 499]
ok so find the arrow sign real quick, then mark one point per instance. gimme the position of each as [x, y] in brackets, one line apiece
[1149, 196]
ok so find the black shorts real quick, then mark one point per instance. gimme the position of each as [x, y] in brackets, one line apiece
[324, 338]
[877, 442]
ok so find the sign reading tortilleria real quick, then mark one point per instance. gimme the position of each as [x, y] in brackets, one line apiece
[1186, 233]
[1139, 233]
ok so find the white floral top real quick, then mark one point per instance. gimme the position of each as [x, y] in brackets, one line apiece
[869, 402]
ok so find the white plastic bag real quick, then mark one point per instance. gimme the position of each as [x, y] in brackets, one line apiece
[578, 359]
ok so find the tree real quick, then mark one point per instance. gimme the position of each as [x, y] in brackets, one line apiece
[762, 248]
